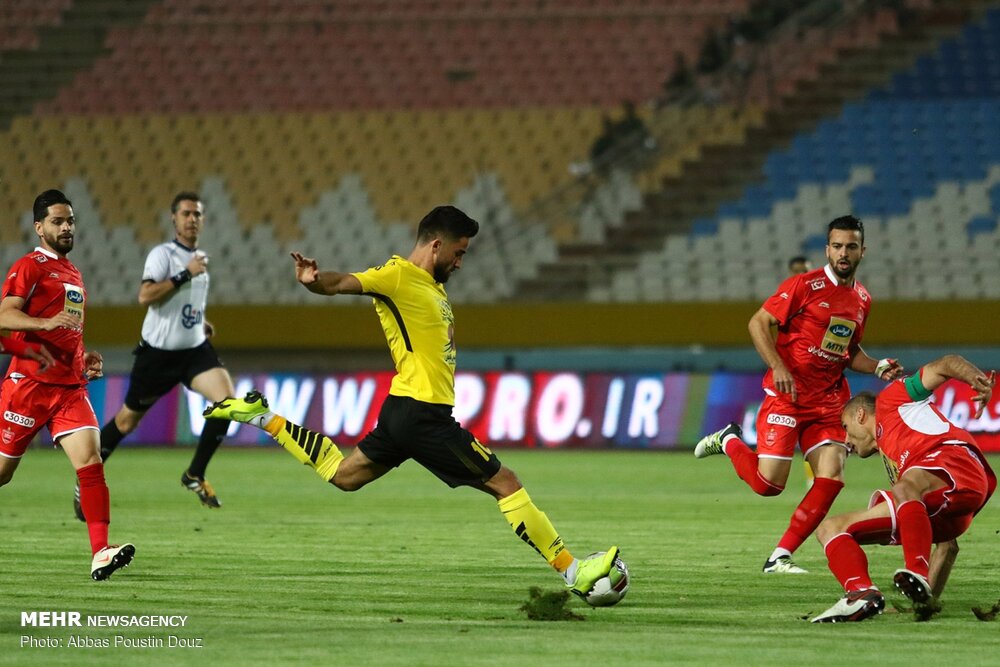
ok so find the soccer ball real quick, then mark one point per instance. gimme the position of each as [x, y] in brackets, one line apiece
[609, 590]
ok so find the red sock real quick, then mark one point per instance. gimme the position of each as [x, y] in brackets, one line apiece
[744, 460]
[810, 512]
[915, 535]
[848, 563]
[96, 504]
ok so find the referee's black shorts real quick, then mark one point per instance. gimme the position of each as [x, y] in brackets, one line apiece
[155, 372]
[428, 434]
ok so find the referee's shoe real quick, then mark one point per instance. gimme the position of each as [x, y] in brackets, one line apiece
[206, 494]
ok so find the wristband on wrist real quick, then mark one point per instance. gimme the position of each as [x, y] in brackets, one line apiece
[180, 278]
[884, 366]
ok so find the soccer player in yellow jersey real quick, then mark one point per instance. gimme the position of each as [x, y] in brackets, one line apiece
[415, 420]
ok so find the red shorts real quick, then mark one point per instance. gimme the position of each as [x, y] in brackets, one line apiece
[782, 424]
[951, 508]
[28, 405]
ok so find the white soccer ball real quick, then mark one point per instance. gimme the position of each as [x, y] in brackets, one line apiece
[609, 590]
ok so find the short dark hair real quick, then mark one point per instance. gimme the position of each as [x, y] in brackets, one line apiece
[864, 399]
[447, 221]
[797, 260]
[46, 199]
[848, 223]
[183, 196]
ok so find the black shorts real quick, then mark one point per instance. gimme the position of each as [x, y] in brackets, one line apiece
[428, 434]
[155, 372]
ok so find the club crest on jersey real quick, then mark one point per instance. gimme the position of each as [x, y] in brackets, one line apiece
[771, 437]
[838, 335]
[191, 316]
[782, 420]
[8, 436]
[20, 420]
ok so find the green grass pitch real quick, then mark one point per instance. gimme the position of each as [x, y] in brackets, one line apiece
[409, 572]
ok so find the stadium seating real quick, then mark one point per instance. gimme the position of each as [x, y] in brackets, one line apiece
[397, 106]
[918, 160]
[20, 20]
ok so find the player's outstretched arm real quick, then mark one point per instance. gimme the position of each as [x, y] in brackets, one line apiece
[328, 283]
[942, 560]
[884, 369]
[939, 371]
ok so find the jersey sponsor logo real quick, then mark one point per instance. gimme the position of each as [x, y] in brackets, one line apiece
[902, 458]
[824, 304]
[838, 335]
[840, 330]
[784, 295]
[54, 275]
[782, 420]
[20, 420]
[817, 284]
[40, 258]
[824, 355]
[191, 316]
[73, 303]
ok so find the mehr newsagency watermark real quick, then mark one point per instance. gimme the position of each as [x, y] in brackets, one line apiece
[140, 631]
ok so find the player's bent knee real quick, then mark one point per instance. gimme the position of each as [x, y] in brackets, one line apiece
[830, 527]
[763, 487]
[348, 483]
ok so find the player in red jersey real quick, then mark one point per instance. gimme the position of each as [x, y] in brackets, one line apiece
[940, 480]
[42, 303]
[820, 318]
[34, 351]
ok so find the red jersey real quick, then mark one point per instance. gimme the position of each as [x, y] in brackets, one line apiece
[908, 426]
[49, 284]
[820, 325]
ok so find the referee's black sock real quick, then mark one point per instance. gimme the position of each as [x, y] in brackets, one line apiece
[110, 437]
[211, 438]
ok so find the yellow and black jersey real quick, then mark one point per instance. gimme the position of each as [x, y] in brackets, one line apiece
[419, 328]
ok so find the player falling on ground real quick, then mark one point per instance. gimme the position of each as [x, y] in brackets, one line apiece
[820, 319]
[940, 481]
[176, 345]
[43, 304]
[416, 419]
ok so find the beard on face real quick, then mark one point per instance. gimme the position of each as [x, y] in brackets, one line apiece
[842, 273]
[441, 273]
[62, 245]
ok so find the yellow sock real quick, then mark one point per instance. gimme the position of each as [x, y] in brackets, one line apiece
[311, 448]
[532, 526]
